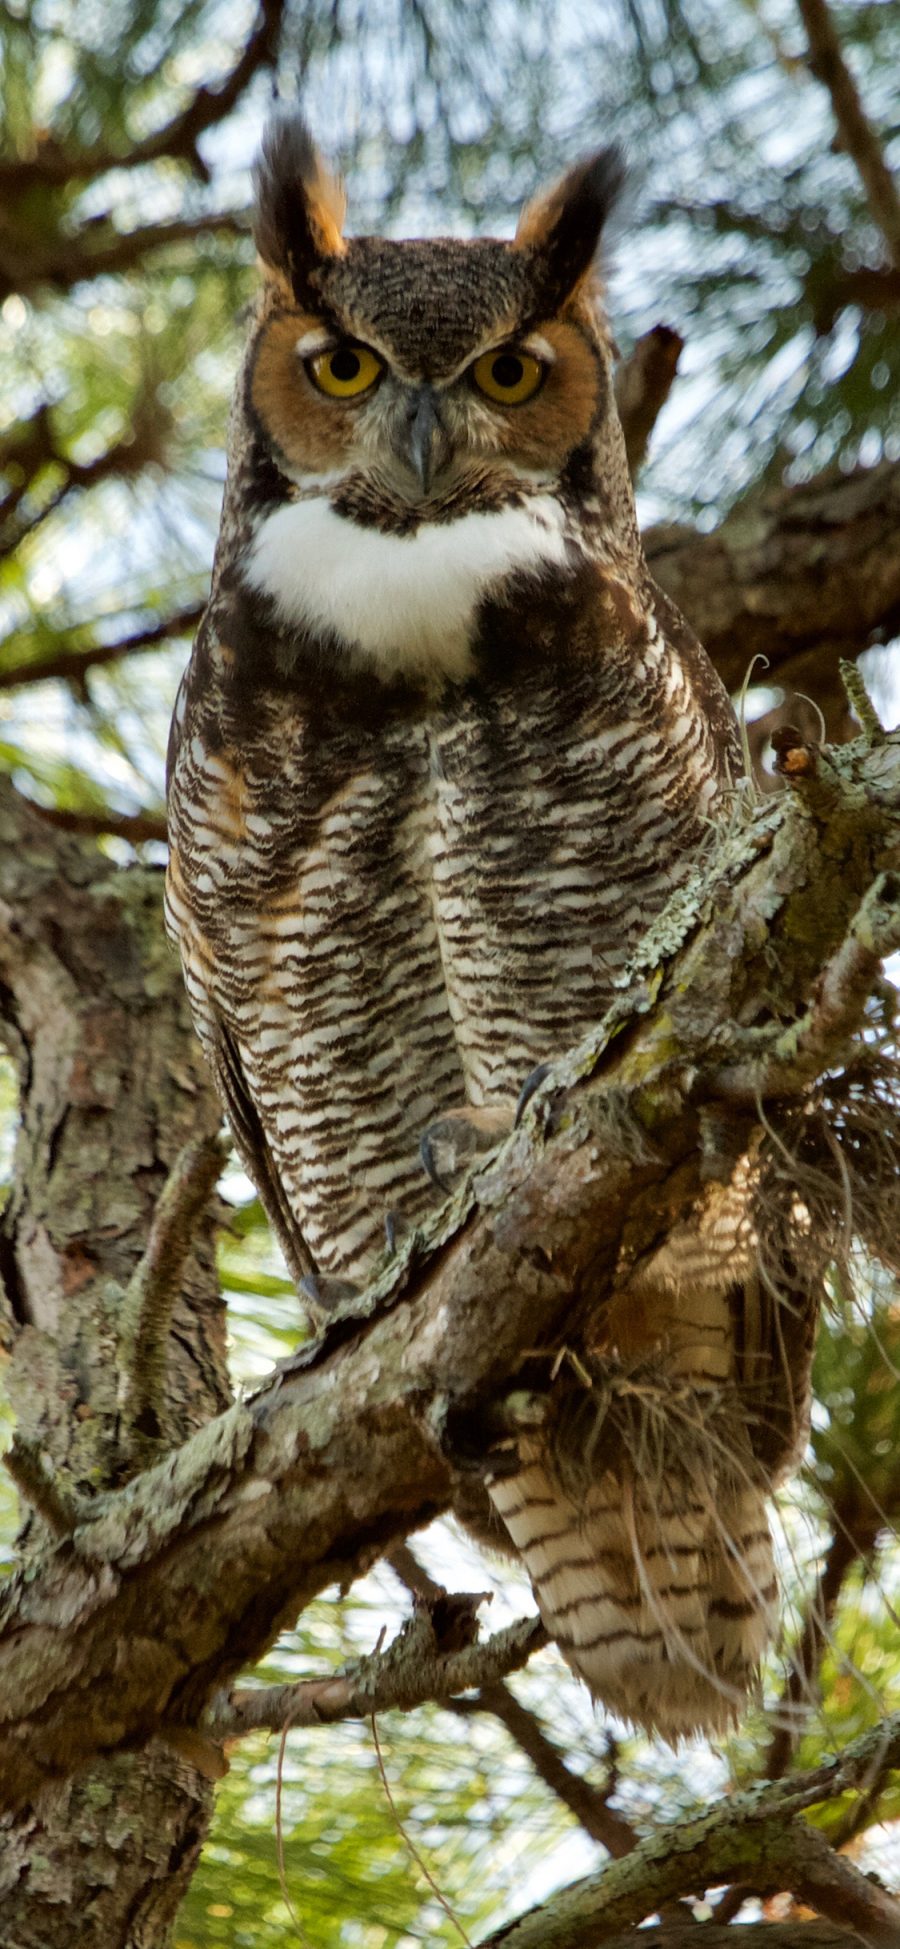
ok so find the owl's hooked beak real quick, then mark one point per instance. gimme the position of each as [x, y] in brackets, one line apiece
[424, 443]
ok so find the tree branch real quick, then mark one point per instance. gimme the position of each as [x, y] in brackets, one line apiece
[643, 383]
[98, 251]
[588, 1803]
[756, 1830]
[412, 1672]
[801, 576]
[857, 135]
[134, 826]
[71, 666]
[177, 139]
[351, 1446]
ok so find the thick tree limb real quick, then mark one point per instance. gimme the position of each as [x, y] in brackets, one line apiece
[803, 576]
[112, 1085]
[353, 1443]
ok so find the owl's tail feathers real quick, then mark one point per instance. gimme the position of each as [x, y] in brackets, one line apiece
[659, 1598]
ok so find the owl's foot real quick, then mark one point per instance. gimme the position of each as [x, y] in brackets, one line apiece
[325, 1294]
[450, 1146]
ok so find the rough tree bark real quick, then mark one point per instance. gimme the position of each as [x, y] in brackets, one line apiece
[111, 1088]
[159, 1561]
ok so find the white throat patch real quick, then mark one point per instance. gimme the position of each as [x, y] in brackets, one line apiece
[408, 602]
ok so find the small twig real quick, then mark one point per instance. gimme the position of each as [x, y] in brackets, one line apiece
[413, 1574]
[154, 1287]
[858, 138]
[589, 1804]
[136, 826]
[410, 1673]
[279, 1840]
[788, 1062]
[861, 703]
[40, 1486]
[643, 383]
[71, 665]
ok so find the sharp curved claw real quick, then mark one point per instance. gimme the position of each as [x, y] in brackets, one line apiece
[426, 1152]
[326, 1293]
[531, 1084]
[394, 1228]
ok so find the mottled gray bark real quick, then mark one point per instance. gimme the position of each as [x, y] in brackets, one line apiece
[112, 1086]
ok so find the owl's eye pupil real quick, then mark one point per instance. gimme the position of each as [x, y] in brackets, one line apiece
[507, 370]
[345, 364]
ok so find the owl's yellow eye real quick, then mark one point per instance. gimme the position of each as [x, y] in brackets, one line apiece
[508, 376]
[346, 371]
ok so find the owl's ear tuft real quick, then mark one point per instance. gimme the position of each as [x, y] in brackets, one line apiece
[299, 204]
[561, 229]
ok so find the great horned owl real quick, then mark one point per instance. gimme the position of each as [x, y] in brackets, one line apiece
[440, 754]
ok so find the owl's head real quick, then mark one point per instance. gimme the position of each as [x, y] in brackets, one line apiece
[435, 373]
[453, 394]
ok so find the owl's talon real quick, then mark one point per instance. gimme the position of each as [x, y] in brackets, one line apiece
[429, 1160]
[326, 1293]
[450, 1146]
[393, 1226]
[529, 1088]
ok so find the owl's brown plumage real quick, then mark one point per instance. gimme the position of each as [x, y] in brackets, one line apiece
[441, 753]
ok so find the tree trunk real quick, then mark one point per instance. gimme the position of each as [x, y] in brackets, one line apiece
[111, 1087]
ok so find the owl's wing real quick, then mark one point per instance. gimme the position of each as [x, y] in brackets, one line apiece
[253, 1145]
